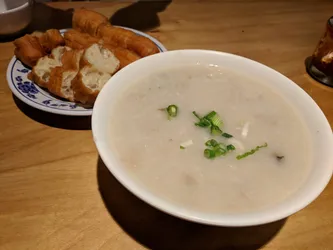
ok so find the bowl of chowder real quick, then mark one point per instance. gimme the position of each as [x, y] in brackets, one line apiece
[213, 138]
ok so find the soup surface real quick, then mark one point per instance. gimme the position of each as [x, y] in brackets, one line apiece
[148, 144]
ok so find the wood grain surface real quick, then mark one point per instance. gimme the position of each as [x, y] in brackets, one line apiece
[55, 192]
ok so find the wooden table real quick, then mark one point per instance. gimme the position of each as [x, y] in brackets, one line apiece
[55, 193]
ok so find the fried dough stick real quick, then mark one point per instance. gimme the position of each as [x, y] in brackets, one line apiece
[30, 48]
[77, 40]
[98, 25]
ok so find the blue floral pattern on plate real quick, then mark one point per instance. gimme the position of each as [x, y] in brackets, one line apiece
[30, 93]
[27, 87]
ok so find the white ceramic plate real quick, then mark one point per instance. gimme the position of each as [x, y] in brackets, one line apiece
[30, 93]
[320, 132]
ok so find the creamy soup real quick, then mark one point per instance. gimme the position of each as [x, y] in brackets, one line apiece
[148, 142]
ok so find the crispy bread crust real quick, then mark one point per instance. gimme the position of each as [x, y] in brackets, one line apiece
[28, 50]
[78, 40]
[88, 21]
[98, 25]
[127, 39]
[51, 39]
[124, 56]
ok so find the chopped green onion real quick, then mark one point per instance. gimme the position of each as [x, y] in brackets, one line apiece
[215, 130]
[220, 151]
[181, 147]
[231, 147]
[211, 120]
[196, 115]
[214, 118]
[209, 154]
[226, 135]
[211, 143]
[210, 115]
[172, 110]
[251, 152]
[203, 122]
[222, 145]
[217, 149]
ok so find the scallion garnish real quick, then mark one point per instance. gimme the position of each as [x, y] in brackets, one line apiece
[220, 151]
[216, 149]
[211, 120]
[251, 152]
[222, 145]
[230, 147]
[215, 130]
[203, 122]
[209, 153]
[226, 135]
[210, 115]
[211, 143]
[196, 115]
[172, 111]
[214, 118]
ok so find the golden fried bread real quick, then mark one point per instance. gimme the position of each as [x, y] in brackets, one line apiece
[41, 72]
[50, 39]
[127, 39]
[88, 21]
[78, 40]
[124, 56]
[28, 50]
[77, 65]
[95, 24]
[97, 64]
[60, 82]
[88, 83]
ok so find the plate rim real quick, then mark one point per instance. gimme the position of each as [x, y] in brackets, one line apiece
[39, 106]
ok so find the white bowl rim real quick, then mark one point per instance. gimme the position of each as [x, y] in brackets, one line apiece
[233, 220]
[15, 9]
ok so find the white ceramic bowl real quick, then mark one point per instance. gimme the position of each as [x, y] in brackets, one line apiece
[318, 125]
[15, 15]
